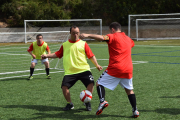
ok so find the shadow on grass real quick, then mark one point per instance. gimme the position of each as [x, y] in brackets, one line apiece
[74, 114]
[170, 96]
[171, 111]
[26, 79]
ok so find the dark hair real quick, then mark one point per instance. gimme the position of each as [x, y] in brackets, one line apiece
[115, 25]
[73, 26]
[38, 36]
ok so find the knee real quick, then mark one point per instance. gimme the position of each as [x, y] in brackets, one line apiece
[129, 91]
[64, 88]
[33, 65]
[46, 64]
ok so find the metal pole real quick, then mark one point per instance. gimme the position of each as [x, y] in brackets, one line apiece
[25, 40]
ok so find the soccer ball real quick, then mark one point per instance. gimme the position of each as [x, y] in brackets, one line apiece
[85, 96]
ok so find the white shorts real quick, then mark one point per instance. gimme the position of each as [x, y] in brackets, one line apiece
[111, 82]
[36, 60]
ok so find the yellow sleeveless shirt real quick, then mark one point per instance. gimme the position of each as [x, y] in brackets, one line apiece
[74, 58]
[39, 50]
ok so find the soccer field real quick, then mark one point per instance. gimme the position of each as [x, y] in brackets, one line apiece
[155, 78]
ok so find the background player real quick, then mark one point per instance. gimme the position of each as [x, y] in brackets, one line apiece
[74, 52]
[36, 49]
[120, 68]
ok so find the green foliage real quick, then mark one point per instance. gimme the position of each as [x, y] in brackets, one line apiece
[109, 11]
[33, 11]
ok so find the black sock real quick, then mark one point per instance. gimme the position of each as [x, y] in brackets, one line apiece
[132, 100]
[101, 93]
[47, 71]
[31, 71]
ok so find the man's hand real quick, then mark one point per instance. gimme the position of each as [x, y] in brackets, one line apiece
[99, 67]
[34, 56]
[83, 35]
[43, 56]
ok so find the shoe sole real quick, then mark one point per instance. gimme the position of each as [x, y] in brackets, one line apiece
[101, 110]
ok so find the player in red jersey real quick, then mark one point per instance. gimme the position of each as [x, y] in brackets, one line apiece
[120, 68]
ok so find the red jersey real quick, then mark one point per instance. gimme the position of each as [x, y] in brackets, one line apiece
[88, 51]
[120, 61]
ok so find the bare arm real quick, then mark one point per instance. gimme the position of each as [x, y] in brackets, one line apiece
[94, 61]
[34, 56]
[52, 55]
[93, 36]
[49, 52]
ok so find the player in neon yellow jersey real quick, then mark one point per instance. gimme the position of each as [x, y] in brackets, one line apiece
[74, 52]
[36, 49]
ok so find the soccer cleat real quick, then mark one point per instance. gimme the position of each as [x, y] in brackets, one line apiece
[88, 106]
[48, 77]
[68, 107]
[30, 77]
[135, 114]
[101, 107]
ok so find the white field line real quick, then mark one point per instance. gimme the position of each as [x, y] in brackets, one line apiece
[13, 48]
[153, 46]
[134, 62]
[19, 58]
[9, 47]
[36, 74]
[139, 45]
[99, 44]
[27, 75]
[24, 71]
[15, 54]
[3, 47]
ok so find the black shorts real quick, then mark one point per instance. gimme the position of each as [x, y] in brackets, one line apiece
[85, 77]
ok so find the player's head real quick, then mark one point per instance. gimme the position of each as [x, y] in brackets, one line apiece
[74, 31]
[114, 27]
[39, 38]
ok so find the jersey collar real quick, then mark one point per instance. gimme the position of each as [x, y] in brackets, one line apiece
[74, 41]
[41, 44]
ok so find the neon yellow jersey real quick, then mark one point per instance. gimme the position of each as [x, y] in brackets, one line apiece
[39, 50]
[74, 57]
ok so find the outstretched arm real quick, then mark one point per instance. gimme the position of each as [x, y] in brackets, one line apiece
[93, 36]
[94, 61]
[53, 55]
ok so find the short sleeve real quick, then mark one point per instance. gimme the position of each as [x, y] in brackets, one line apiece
[59, 53]
[47, 48]
[30, 48]
[88, 51]
[132, 43]
[111, 37]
